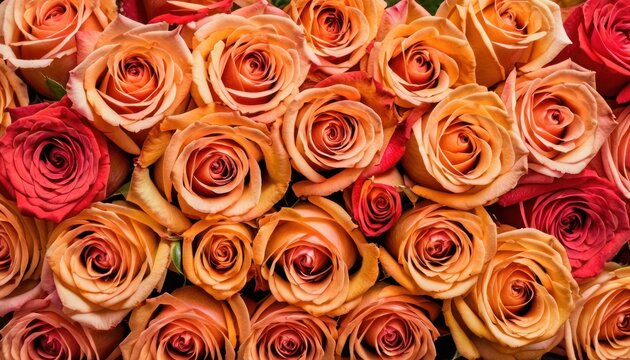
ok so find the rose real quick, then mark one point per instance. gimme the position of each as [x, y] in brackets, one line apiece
[217, 256]
[105, 261]
[252, 64]
[338, 32]
[389, 323]
[466, 151]
[216, 163]
[597, 30]
[186, 324]
[521, 302]
[22, 248]
[439, 251]
[40, 331]
[505, 34]
[613, 161]
[51, 162]
[281, 331]
[562, 119]
[599, 325]
[13, 93]
[423, 61]
[584, 212]
[313, 256]
[40, 36]
[173, 11]
[134, 76]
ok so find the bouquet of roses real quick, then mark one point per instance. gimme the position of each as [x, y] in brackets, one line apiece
[314, 179]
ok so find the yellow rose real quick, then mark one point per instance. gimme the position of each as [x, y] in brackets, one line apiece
[13, 93]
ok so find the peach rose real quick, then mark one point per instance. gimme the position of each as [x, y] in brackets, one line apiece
[506, 34]
[423, 61]
[13, 93]
[105, 261]
[519, 306]
[599, 327]
[212, 163]
[22, 249]
[187, 324]
[561, 117]
[466, 152]
[338, 32]
[283, 331]
[314, 256]
[614, 158]
[389, 323]
[41, 331]
[40, 36]
[438, 251]
[134, 76]
[217, 256]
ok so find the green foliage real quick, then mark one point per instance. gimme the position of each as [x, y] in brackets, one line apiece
[176, 255]
[57, 90]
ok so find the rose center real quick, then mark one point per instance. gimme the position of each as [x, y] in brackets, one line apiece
[49, 346]
[182, 343]
[438, 246]
[573, 221]
[256, 66]
[55, 12]
[392, 339]
[517, 293]
[223, 254]
[623, 322]
[510, 18]
[288, 344]
[309, 263]
[98, 257]
[331, 21]
[5, 252]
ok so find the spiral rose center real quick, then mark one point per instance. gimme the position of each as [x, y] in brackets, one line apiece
[333, 133]
[49, 347]
[459, 148]
[56, 155]
[223, 255]
[331, 21]
[380, 203]
[182, 343]
[5, 252]
[393, 337]
[255, 66]
[310, 264]
[517, 293]
[98, 256]
[573, 222]
[288, 344]
[55, 12]
[437, 245]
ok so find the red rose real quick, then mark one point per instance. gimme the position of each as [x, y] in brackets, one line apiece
[51, 162]
[585, 212]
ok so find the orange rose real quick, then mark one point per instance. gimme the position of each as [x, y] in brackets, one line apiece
[283, 331]
[105, 261]
[438, 251]
[40, 36]
[314, 256]
[389, 323]
[212, 163]
[519, 306]
[188, 324]
[614, 158]
[505, 34]
[423, 61]
[13, 93]
[217, 256]
[466, 152]
[134, 76]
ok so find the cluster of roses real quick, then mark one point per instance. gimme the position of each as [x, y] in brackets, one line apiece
[334, 179]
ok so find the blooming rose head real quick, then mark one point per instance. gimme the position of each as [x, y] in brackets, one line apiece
[338, 32]
[561, 117]
[213, 163]
[584, 212]
[13, 93]
[51, 162]
[613, 161]
[217, 256]
[134, 76]
[251, 64]
[521, 302]
[506, 34]
[423, 61]
[389, 323]
[437, 251]
[188, 324]
[105, 261]
[466, 151]
[314, 256]
[283, 331]
[41, 331]
[40, 36]
[599, 327]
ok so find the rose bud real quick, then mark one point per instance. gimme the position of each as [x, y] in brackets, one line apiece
[51, 162]
[133, 76]
[188, 324]
[585, 212]
[22, 249]
[13, 93]
[41, 331]
[599, 327]
[466, 152]
[107, 246]
[562, 119]
[518, 308]
[312, 255]
[283, 331]
[438, 251]
[613, 161]
[389, 323]
[505, 34]
[217, 256]
[40, 36]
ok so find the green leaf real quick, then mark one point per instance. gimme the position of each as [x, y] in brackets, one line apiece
[57, 90]
[124, 189]
[176, 255]
[280, 3]
[430, 5]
